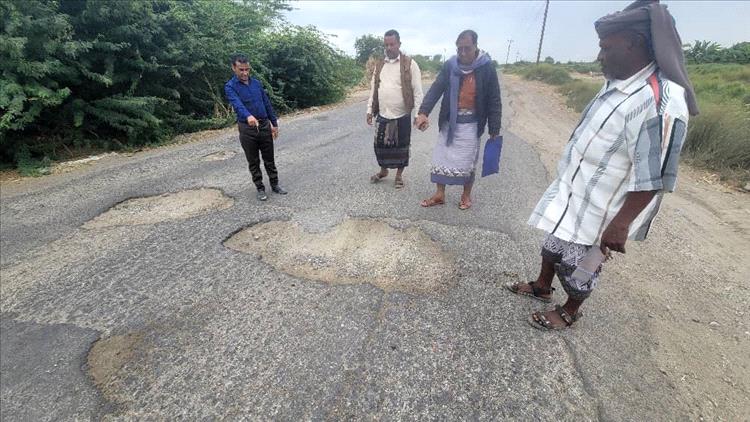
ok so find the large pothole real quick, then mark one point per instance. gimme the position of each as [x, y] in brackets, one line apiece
[355, 251]
[165, 207]
[106, 359]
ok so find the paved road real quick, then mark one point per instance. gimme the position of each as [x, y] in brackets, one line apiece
[197, 330]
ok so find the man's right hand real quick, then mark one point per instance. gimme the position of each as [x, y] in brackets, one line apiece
[369, 119]
[252, 121]
[421, 122]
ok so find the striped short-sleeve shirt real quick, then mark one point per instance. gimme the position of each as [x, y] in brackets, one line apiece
[629, 139]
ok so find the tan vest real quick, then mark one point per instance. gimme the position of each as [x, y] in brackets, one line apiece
[406, 89]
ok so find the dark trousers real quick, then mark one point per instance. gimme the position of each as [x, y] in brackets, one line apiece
[257, 140]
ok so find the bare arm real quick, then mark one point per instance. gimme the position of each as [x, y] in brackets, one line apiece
[369, 101]
[616, 233]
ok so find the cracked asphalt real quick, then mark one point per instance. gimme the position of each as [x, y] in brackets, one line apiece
[224, 335]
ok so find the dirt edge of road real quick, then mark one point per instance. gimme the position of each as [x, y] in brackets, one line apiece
[688, 278]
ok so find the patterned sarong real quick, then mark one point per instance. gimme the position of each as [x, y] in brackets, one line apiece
[566, 256]
[455, 163]
[392, 141]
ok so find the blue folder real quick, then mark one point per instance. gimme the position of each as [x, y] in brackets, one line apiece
[491, 160]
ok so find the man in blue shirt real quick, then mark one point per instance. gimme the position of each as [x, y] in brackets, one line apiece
[257, 123]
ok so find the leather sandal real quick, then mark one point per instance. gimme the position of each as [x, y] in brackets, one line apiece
[539, 321]
[536, 293]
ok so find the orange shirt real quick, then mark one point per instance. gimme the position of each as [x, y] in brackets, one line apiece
[467, 93]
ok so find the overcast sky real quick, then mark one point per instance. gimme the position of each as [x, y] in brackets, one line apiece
[430, 27]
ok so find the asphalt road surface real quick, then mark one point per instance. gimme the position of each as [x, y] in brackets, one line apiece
[163, 321]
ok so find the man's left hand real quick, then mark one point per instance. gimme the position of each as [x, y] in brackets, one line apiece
[614, 237]
[274, 132]
[616, 233]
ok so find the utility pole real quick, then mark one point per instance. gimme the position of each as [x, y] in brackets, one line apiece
[508, 54]
[544, 23]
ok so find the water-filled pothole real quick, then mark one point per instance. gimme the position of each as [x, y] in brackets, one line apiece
[159, 208]
[355, 251]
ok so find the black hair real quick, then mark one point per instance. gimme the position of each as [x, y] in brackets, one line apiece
[392, 33]
[468, 32]
[238, 58]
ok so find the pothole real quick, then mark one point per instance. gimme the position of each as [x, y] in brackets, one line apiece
[354, 251]
[165, 207]
[219, 155]
[108, 356]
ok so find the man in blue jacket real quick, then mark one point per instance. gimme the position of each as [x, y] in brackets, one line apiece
[257, 124]
[471, 101]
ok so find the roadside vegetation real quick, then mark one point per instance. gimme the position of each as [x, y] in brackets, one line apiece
[82, 76]
[369, 49]
[719, 138]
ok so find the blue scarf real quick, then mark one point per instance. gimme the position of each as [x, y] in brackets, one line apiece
[457, 70]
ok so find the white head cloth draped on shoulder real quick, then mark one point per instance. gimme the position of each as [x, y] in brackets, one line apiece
[656, 24]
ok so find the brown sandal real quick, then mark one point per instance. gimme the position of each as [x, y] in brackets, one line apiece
[398, 183]
[375, 178]
[535, 291]
[429, 202]
[539, 321]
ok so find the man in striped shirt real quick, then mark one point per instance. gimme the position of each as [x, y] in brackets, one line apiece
[620, 159]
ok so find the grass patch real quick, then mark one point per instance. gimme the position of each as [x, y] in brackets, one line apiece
[551, 74]
[718, 139]
[579, 93]
[584, 67]
[28, 166]
[721, 82]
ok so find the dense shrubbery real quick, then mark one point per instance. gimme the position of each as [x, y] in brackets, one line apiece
[105, 74]
[305, 70]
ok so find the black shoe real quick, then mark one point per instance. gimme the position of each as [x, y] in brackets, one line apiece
[279, 190]
[261, 195]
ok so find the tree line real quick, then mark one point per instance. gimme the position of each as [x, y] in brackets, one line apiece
[114, 74]
[711, 52]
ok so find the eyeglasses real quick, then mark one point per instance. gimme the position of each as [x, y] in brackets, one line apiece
[467, 49]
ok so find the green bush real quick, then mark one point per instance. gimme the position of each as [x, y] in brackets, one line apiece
[551, 74]
[711, 52]
[306, 70]
[366, 46]
[429, 64]
[80, 74]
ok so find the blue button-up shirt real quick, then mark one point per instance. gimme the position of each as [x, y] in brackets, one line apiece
[249, 100]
